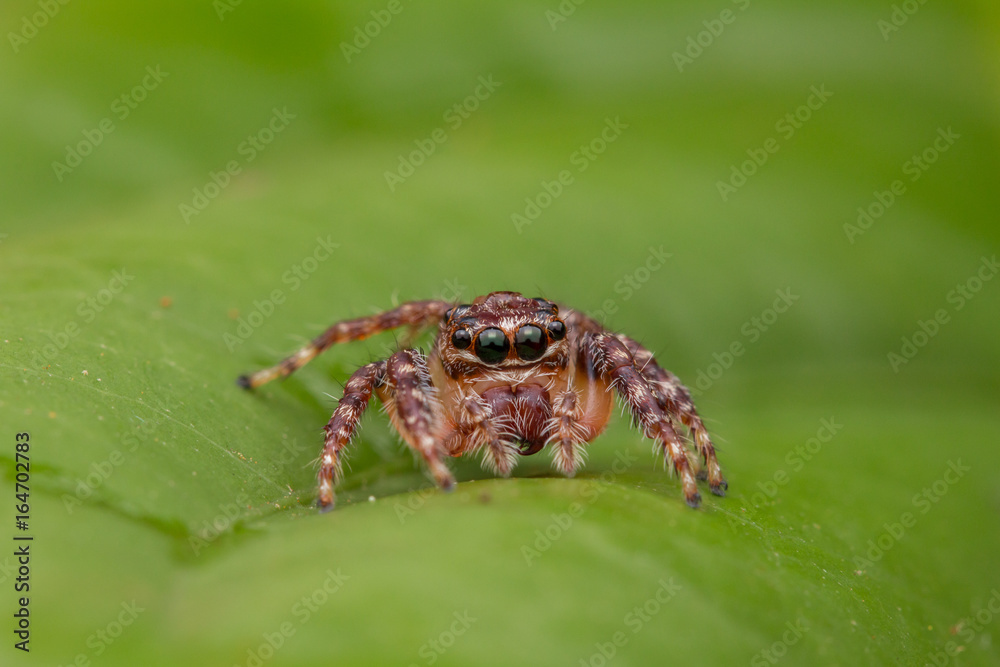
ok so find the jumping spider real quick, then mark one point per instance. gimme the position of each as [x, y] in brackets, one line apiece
[506, 376]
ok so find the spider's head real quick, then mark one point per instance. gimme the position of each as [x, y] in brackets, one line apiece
[503, 330]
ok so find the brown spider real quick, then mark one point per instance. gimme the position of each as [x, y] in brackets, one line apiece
[507, 375]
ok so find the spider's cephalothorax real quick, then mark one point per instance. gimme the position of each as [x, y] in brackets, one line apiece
[507, 375]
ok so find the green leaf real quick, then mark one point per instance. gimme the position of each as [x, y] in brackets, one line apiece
[172, 512]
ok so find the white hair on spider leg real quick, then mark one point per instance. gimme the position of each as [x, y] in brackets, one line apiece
[499, 457]
[568, 457]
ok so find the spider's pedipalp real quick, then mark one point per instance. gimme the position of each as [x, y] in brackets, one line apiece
[489, 433]
[567, 434]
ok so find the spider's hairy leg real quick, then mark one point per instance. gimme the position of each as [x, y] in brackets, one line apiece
[343, 424]
[675, 399]
[410, 400]
[567, 434]
[488, 434]
[611, 360]
[416, 314]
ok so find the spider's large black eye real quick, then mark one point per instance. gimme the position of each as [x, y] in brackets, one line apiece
[492, 346]
[557, 330]
[461, 338]
[529, 341]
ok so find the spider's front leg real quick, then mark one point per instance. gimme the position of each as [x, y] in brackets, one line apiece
[402, 384]
[414, 314]
[610, 359]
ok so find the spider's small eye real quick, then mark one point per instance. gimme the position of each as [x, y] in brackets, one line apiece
[461, 338]
[557, 330]
[547, 305]
[492, 346]
[530, 343]
[455, 311]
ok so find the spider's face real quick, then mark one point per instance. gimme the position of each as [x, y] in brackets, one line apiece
[503, 330]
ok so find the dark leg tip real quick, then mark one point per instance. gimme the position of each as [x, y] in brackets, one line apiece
[693, 501]
[243, 381]
[720, 488]
[324, 507]
[448, 485]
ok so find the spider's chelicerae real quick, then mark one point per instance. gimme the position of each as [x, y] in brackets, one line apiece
[506, 376]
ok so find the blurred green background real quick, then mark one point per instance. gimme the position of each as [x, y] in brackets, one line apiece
[173, 175]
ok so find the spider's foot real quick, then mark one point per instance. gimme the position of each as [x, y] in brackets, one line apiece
[690, 486]
[244, 381]
[326, 499]
[720, 487]
[442, 476]
[324, 506]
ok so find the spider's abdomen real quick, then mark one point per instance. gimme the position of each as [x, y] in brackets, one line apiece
[524, 411]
